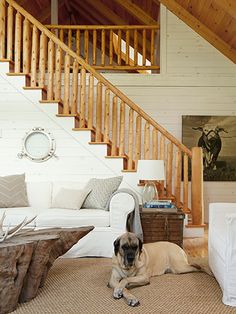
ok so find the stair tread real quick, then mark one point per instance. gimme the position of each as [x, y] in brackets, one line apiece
[118, 156]
[100, 143]
[61, 115]
[82, 129]
[49, 101]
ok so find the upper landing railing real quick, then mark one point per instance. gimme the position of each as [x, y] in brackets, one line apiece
[123, 47]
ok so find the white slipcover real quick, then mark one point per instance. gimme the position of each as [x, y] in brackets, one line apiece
[222, 248]
[108, 224]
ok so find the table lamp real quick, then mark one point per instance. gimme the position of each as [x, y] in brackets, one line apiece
[150, 170]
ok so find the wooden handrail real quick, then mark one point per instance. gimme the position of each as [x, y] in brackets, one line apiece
[100, 77]
[92, 27]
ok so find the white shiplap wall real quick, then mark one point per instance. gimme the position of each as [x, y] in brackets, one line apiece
[19, 114]
[195, 79]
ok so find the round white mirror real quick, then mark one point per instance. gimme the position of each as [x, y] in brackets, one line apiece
[38, 145]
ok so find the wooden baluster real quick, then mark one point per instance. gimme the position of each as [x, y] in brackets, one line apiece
[107, 116]
[82, 122]
[9, 32]
[26, 46]
[169, 169]
[42, 59]
[70, 38]
[138, 139]
[66, 102]
[2, 28]
[86, 45]
[122, 129]
[185, 194]
[147, 141]
[119, 48]
[152, 46]
[103, 47]
[111, 47]
[75, 87]
[98, 137]
[178, 177]
[197, 207]
[114, 127]
[61, 35]
[162, 157]
[127, 40]
[154, 144]
[130, 139]
[90, 101]
[58, 73]
[77, 42]
[34, 56]
[18, 33]
[51, 49]
[135, 47]
[144, 47]
[94, 47]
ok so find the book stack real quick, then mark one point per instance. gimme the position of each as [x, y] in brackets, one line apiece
[161, 205]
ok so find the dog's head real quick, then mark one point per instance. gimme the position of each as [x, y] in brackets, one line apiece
[127, 249]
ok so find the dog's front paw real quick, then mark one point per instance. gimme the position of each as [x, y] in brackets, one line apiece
[133, 302]
[118, 293]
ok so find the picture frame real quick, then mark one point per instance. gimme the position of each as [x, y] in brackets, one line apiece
[217, 137]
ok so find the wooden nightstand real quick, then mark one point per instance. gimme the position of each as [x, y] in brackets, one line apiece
[162, 226]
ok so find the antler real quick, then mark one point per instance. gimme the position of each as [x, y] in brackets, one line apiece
[9, 233]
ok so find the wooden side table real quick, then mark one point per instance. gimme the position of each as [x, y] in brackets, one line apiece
[162, 226]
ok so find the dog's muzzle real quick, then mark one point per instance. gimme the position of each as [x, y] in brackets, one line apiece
[129, 258]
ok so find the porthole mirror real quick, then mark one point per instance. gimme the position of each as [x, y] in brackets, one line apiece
[38, 145]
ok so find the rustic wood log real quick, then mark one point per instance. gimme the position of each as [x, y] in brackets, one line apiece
[26, 259]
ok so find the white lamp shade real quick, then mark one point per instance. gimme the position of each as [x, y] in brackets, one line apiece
[151, 169]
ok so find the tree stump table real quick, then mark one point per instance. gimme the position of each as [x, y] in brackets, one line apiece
[26, 259]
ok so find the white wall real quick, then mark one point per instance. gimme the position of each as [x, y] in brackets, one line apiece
[195, 79]
[18, 114]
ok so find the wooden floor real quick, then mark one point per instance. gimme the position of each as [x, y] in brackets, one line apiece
[197, 247]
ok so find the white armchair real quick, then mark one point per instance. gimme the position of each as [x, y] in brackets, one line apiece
[222, 248]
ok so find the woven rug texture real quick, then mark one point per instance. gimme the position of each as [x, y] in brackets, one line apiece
[80, 286]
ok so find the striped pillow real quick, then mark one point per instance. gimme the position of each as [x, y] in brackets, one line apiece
[13, 191]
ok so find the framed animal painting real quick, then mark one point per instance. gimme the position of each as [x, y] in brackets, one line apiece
[217, 137]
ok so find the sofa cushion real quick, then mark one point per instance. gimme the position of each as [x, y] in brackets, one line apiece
[69, 218]
[101, 191]
[16, 215]
[39, 194]
[70, 198]
[13, 191]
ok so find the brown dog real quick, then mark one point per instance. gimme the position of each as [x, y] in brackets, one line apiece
[134, 263]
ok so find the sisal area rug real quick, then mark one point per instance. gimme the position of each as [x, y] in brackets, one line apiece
[80, 286]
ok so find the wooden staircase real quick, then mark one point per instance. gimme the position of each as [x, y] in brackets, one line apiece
[81, 92]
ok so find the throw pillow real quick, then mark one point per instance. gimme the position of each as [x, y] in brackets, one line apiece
[70, 199]
[101, 190]
[13, 191]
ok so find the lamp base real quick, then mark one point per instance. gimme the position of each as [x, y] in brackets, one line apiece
[149, 192]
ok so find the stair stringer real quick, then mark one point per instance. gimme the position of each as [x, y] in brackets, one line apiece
[83, 137]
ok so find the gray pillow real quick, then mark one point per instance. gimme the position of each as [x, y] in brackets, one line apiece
[101, 190]
[13, 191]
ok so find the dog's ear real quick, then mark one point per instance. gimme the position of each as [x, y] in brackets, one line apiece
[116, 245]
[140, 244]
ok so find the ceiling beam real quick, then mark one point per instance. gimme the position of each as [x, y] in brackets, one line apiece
[137, 12]
[200, 28]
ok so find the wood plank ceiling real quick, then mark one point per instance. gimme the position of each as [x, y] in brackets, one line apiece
[214, 20]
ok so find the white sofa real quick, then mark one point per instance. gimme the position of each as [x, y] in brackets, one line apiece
[108, 224]
[222, 248]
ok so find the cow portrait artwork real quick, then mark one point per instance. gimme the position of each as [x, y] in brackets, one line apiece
[216, 135]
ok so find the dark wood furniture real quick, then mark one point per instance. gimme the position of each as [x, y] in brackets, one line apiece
[162, 226]
[26, 259]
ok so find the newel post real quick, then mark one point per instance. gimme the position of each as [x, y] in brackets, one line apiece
[197, 207]
[2, 28]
